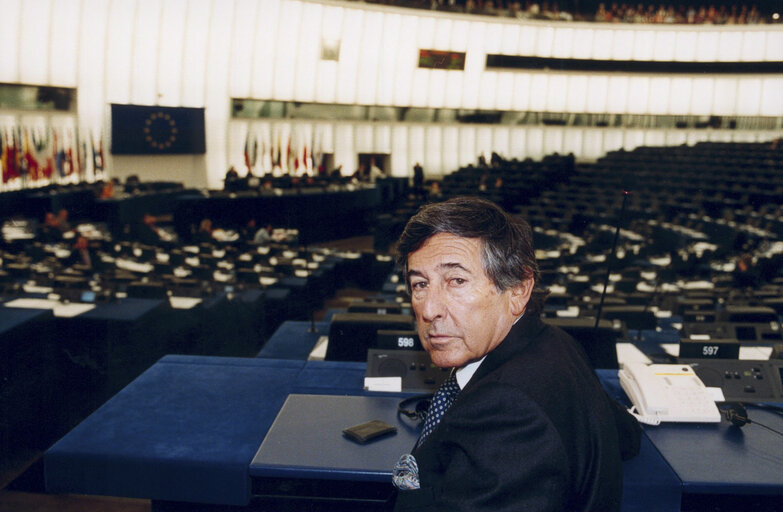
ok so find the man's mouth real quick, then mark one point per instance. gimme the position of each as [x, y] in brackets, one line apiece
[439, 338]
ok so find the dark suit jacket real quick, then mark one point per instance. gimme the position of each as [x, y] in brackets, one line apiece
[532, 431]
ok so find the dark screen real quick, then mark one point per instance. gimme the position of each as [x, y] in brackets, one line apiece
[745, 333]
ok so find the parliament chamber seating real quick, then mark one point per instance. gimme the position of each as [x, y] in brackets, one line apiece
[683, 226]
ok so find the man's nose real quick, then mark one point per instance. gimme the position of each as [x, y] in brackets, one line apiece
[433, 306]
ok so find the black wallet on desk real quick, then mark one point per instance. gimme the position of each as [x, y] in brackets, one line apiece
[369, 430]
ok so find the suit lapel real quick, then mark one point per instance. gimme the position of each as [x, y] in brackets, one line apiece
[517, 339]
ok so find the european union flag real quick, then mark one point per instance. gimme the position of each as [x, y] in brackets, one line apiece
[147, 130]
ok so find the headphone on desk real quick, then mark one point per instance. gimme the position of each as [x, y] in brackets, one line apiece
[419, 410]
[737, 415]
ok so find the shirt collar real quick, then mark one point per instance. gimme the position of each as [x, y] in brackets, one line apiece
[465, 373]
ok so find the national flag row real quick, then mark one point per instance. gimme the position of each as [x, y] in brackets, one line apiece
[36, 156]
[285, 155]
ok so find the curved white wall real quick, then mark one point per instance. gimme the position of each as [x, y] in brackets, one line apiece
[201, 53]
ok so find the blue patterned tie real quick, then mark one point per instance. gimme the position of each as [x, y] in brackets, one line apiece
[442, 400]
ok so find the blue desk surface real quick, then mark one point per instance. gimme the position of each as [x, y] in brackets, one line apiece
[306, 439]
[717, 457]
[11, 318]
[292, 340]
[721, 458]
[306, 442]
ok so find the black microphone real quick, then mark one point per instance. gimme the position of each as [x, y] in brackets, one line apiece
[627, 181]
[312, 327]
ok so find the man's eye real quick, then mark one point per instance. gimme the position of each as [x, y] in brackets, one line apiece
[418, 285]
[458, 281]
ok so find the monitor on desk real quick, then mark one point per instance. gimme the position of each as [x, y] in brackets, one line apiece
[351, 334]
[635, 317]
[600, 343]
[750, 332]
[88, 296]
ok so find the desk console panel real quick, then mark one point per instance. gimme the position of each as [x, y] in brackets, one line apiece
[742, 381]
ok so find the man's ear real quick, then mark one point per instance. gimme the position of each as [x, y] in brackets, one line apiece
[520, 296]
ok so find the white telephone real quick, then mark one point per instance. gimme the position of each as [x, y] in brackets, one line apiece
[667, 392]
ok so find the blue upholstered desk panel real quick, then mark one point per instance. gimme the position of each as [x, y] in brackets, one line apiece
[306, 440]
[124, 310]
[277, 293]
[649, 483]
[332, 377]
[185, 430]
[293, 341]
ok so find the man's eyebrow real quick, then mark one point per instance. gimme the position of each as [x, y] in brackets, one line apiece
[414, 273]
[442, 266]
[457, 266]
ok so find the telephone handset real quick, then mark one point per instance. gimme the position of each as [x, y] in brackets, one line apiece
[667, 392]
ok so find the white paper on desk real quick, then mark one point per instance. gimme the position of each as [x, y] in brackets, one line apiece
[31, 303]
[390, 384]
[716, 394]
[673, 349]
[58, 308]
[569, 312]
[31, 288]
[629, 353]
[184, 302]
[754, 352]
[71, 310]
[319, 350]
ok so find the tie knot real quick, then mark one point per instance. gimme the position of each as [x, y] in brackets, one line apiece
[450, 387]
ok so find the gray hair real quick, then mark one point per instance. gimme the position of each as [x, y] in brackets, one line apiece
[507, 256]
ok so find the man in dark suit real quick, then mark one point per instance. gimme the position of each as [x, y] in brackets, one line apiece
[530, 428]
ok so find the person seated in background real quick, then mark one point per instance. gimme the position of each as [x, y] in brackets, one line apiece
[248, 231]
[745, 273]
[204, 233]
[375, 172]
[360, 174]
[62, 221]
[435, 191]
[55, 227]
[418, 180]
[108, 189]
[337, 173]
[232, 180]
[263, 235]
[132, 184]
[48, 231]
[82, 248]
[148, 232]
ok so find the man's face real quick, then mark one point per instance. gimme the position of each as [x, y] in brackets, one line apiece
[461, 315]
